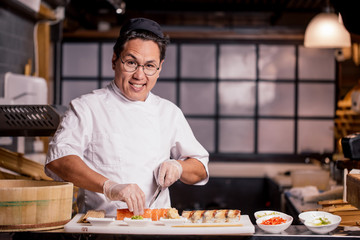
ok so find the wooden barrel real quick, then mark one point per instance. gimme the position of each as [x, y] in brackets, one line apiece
[32, 204]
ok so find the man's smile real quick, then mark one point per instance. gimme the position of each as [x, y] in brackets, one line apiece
[137, 85]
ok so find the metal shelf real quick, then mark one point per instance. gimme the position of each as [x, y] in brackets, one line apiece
[28, 120]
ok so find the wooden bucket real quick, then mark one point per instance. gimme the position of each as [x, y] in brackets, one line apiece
[32, 204]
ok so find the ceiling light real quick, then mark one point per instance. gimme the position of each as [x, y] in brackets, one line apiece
[326, 30]
[119, 6]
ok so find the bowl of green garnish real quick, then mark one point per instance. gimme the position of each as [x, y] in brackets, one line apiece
[263, 213]
[137, 221]
[320, 222]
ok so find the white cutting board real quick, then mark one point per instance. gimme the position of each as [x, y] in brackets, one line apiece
[120, 227]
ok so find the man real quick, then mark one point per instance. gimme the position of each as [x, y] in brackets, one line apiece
[117, 144]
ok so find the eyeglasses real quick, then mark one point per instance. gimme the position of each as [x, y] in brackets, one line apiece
[131, 66]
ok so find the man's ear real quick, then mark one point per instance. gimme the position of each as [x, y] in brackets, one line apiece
[161, 63]
[113, 60]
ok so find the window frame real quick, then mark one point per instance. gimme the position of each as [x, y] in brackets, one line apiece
[216, 155]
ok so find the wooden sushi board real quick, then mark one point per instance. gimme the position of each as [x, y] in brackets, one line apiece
[244, 227]
[350, 215]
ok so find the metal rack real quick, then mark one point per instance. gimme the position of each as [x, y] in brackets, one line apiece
[28, 120]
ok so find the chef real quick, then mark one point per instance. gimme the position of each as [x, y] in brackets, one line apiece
[117, 144]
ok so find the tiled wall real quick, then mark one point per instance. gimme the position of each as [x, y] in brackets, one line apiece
[16, 44]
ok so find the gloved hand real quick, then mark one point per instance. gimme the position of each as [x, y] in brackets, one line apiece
[169, 172]
[129, 193]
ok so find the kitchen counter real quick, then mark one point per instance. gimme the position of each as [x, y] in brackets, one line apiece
[293, 232]
[255, 170]
[299, 206]
[219, 171]
[74, 230]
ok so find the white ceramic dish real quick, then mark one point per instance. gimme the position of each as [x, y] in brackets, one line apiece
[137, 222]
[100, 221]
[310, 220]
[264, 213]
[172, 222]
[312, 214]
[275, 228]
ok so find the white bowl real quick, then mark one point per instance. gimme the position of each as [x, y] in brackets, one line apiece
[312, 214]
[100, 221]
[275, 228]
[172, 222]
[264, 213]
[137, 222]
[311, 218]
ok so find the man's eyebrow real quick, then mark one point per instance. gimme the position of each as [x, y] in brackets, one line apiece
[132, 56]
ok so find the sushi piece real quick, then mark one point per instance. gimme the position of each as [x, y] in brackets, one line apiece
[197, 216]
[220, 216]
[172, 213]
[187, 214]
[233, 215]
[209, 216]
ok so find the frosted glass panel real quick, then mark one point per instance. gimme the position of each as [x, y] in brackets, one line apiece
[106, 56]
[277, 62]
[316, 99]
[237, 62]
[204, 131]
[317, 64]
[165, 90]
[219, 88]
[197, 98]
[276, 99]
[74, 89]
[236, 135]
[198, 61]
[276, 136]
[80, 59]
[315, 136]
[237, 98]
[169, 66]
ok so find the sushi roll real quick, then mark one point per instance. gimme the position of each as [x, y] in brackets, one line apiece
[212, 216]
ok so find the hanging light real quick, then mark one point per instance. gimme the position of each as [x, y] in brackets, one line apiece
[119, 6]
[326, 30]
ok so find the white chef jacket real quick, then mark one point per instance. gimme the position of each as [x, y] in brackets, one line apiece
[124, 141]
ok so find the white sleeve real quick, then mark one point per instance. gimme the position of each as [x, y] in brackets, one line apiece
[185, 145]
[72, 136]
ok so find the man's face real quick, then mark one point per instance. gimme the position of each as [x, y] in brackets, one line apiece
[137, 85]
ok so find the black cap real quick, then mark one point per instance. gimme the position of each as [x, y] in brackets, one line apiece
[142, 24]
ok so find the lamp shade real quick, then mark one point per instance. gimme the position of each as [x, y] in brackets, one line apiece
[326, 31]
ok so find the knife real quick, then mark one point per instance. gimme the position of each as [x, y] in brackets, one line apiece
[156, 195]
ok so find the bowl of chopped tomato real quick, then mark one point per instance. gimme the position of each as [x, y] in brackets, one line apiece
[274, 223]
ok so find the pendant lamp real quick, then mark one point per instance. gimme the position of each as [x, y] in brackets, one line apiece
[326, 30]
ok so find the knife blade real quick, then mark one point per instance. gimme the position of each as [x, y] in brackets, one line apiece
[155, 196]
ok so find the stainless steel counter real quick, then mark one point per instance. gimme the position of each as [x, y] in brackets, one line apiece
[293, 232]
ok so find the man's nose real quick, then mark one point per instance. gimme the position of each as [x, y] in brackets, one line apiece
[140, 71]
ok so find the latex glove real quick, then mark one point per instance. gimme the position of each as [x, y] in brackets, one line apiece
[129, 193]
[169, 172]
